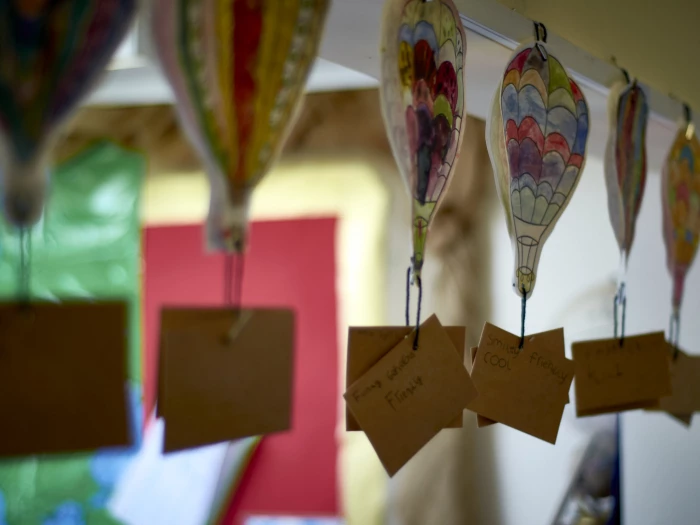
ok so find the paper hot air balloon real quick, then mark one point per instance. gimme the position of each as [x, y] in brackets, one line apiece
[52, 52]
[422, 97]
[681, 208]
[238, 69]
[625, 160]
[536, 135]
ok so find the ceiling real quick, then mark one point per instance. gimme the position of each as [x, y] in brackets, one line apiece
[349, 55]
[656, 41]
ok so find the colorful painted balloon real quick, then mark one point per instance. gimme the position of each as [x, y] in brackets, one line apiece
[681, 208]
[238, 69]
[536, 134]
[625, 160]
[422, 96]
[52, 52]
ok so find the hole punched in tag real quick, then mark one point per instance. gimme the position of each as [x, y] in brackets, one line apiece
[409, 283]
[620, 304]
[234, 266]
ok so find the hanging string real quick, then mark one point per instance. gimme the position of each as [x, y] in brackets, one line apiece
[408, 296]
[620, 303]
[540, 32]
[233, 279]
[540, 36]
[522, 319]
[419, 282]
[674, 330]
[690, 127]
[624, 72]
[687, 114]
[25, 264]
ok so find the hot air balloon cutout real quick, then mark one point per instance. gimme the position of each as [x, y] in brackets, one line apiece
[52, 53]
[681, 212]
[536, 136]
[625, 173]
[238, 71]
[423, 54]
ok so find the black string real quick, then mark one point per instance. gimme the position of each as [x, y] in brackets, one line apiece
[522, 320]
[626, 75]
[687, 114]
[620, 301]
[408, 296]
[419, 282]
[540, 37]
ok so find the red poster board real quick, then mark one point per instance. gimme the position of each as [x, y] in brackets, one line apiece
[289, 264]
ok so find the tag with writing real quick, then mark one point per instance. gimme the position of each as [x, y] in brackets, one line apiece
[481, 421]
[409, 395]
[525, 389]
[613, 378]
[63, 384]
[685, 384]
[367, 345]
[227, 374]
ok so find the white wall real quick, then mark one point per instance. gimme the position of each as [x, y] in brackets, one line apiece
[575, 289]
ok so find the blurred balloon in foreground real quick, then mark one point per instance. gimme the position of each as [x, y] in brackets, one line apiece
[238, 69]
[681, 207]
[52, 52]
[422, 96]
[536, 135]
[625, 160]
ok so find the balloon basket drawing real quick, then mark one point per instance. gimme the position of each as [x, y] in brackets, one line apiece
[528, 241]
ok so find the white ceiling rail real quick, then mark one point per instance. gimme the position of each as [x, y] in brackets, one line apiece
[508, 28]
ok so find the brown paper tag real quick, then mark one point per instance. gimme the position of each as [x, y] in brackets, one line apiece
[367, 345]
[173, 318]
[524, 389]
[684, 419]
[409, 395]
[63, 377]
[481, 421]
[227, 375]
[613, 378]
[685, 384]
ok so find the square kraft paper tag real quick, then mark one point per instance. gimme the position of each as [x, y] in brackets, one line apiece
[482, 421]
[227, 376]
[367, 345]
[525, 389]
[613, 378]
[685, 385]
[172, 318]
[63, 377]
[409, 395]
